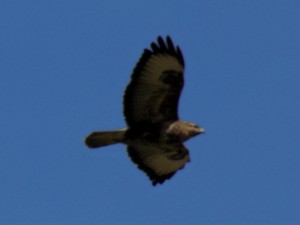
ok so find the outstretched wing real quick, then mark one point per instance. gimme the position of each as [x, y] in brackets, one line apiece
[152, 95]
[159, 162]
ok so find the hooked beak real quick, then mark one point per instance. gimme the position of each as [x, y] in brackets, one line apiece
[200, 130]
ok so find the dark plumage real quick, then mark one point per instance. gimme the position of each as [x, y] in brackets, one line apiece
[155, 135]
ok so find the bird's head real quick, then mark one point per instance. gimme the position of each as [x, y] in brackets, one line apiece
[194, 129]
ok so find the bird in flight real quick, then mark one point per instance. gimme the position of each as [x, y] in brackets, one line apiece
[154, 135]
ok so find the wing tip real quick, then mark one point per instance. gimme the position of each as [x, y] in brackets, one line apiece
[154, 177]
[167, 46]
[160, 179]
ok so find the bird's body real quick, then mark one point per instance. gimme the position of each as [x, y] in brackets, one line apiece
[154, 135]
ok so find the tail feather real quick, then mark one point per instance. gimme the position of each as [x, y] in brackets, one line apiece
[103, 138]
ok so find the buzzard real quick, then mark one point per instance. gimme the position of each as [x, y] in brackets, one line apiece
[154, 135]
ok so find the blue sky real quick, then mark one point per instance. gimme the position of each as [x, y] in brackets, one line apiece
[63, 69]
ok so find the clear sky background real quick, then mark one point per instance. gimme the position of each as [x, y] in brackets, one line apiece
[63, 68]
